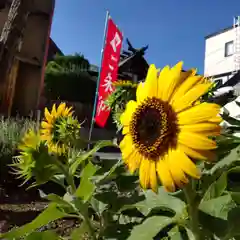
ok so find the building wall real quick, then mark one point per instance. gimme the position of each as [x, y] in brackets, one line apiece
[32, 55]
[215, 61]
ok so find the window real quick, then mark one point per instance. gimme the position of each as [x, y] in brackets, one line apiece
[229, 49]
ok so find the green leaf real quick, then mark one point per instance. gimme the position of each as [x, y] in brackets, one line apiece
[86, 187]
[174, 233]
[218, 207]
[110, 172]
[236, 197]
[114, 231]
[233, 179]
[190, 234]
[51, 213]
[150, 228]
[216, 189]
[78, 233]
[117, 201]
[161, 200]
[219, 228]
[233, 222]
[42, 236]
[98, 206]
[59, 179]
[212, 227]
[226, 161]
[74, 166]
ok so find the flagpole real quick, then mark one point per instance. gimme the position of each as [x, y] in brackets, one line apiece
[98, 81]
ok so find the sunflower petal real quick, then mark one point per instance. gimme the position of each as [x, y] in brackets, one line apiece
[46, 125]
[216, 119]
[54, 111]
[144, 173]
[186, 86]
[196, 141]
[127, 114]
[199, 113]
[187, 165]
[47, 115]
[175, 166]
[168, 85]
[197, 153]
[126, 143]
[165, 175]
[67, 112]
[134, 162]
[61, 108]
[163, 76]
[153, 176]
[141, 94]
[150, 84]
[125, 130]
[200, 127]
[190, 97]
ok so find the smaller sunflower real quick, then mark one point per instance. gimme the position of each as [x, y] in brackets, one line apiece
[125, 83]
[30, 141]
[56, 125]
[32, 160]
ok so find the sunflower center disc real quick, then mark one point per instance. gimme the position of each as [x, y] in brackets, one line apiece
[153, 128]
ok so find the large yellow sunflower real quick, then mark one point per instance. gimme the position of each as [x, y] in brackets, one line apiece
[50, 127]
[167, 126]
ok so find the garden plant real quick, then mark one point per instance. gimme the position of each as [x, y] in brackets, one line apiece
[176, 176]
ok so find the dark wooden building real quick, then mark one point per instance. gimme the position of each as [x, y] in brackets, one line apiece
[25, 81]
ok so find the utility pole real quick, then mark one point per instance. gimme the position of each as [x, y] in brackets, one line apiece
[10, 45]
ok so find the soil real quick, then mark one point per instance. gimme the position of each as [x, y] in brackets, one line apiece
[19, 206]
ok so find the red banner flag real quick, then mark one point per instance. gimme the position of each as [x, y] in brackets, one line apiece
[109, 70]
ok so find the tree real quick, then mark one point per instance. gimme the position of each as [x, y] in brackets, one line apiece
[68, 78]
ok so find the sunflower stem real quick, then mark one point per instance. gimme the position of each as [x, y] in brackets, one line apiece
[68, 176]
[190, 195]
[90, 228]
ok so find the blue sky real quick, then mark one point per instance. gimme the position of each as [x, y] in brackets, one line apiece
[174, 29]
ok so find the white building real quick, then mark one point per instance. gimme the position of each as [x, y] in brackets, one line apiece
[222, 62]
[222, 52]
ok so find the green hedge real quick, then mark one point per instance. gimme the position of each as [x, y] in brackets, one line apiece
[75, 87]
[68, 78]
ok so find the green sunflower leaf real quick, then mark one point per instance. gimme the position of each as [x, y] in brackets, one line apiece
[230, 158]
[190, 234]
[217, 188]
[78, 233]
[233, 222]
[162, 200]
[43, 235]
[236, 197]
[233, 179]
[74, 166]
[218, 228]
[150, 228]
[218, 207]
[86, 187]
[174, 234]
